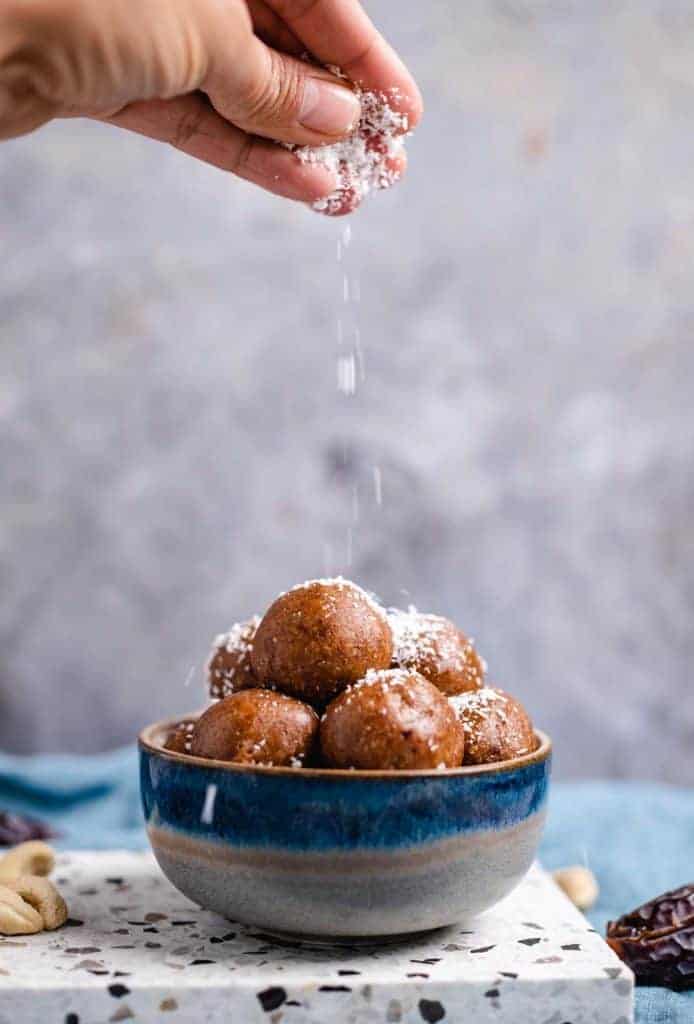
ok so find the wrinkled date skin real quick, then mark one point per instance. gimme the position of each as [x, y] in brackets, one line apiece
[657, 939]
[16, 828]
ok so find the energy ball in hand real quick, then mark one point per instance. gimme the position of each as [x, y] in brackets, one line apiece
[229, 665]
[496, 726]
[437, 649]
[318, 638]
[392, 719]
[256, 727]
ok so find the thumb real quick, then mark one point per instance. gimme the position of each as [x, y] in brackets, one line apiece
[279, 97]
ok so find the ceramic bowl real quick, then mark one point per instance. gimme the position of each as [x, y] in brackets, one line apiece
[342, 854]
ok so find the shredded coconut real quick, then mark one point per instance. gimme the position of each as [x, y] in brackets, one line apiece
[237, 641]
[187, 729]
[482, 702]
[420, 638]
[340, 583]
[365, 160]
[387, 676]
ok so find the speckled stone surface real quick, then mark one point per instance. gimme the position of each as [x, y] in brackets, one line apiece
[134, 949]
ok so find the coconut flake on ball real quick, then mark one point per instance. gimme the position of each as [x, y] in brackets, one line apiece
[237, 642]
[416, 634]
[479, 702]
[435, 647]
[341, 584]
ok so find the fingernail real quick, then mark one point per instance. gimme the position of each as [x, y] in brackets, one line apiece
[327, 108]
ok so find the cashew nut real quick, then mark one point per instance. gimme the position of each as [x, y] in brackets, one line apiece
[34, 858]
[579, 884]
[43, 896]
[17, 917]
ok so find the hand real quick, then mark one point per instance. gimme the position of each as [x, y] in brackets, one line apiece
[218, 79]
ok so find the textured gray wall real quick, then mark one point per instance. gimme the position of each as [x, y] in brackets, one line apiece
[174, 449]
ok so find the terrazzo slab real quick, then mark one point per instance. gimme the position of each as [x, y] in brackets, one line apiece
[135, 949]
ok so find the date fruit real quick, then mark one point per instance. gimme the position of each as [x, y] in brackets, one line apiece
[16, 828]
[657, 939]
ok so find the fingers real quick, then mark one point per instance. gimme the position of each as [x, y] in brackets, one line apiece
[21, 110]
[190, 124]
[340, 32]
[25, 103]
[269, 27]
[277, 96]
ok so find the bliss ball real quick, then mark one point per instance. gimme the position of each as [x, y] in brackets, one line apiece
[256, 727]
[179, 737]
[437, 649]
[318, 638]
[229, 665]
[391, 719]
[497, 727]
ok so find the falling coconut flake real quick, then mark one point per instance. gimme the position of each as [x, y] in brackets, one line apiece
[347, 374]
[359, 353]
[378, 485]
[355, 503]
[327, 559]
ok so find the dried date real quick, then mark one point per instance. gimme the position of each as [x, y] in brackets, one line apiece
[657, 939]
[16, 828]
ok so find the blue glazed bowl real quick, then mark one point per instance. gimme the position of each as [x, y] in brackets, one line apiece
[342, 854]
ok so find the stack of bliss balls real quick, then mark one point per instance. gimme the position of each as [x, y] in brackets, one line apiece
[329, 678]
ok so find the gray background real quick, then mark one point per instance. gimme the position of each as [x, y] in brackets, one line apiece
[174, 449]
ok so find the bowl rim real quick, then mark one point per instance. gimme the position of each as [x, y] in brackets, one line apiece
[147, 742]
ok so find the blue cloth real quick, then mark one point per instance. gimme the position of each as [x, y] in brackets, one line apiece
[92, 802]
[637, 838]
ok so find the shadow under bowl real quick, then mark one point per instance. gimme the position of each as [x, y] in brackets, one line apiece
[342, 854]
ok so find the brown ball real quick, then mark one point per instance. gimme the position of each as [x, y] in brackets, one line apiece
[497, 726]
[178, 739]
[318, 638]
[392, 719]
[256, 727]
[438, 650]
[229, 665]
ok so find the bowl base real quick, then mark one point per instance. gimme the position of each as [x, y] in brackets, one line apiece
[294, 939]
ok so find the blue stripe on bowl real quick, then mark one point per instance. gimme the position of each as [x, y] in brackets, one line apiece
[310, 813]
